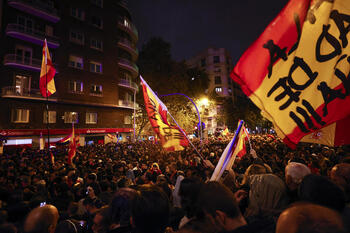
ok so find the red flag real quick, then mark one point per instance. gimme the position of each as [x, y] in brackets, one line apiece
[297, 71]
[171, 137]
[72, 148]
[47, 73]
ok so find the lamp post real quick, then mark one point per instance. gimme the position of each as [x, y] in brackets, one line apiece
[198, 114]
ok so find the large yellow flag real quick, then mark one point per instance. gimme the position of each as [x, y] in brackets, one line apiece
[47, 73]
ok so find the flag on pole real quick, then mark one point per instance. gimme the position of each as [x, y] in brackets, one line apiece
[52, 158]
[72, 147]
[297, 71]
[170, 136]
[236, 147]
[47, 73]
[41, 142]
[225, 132]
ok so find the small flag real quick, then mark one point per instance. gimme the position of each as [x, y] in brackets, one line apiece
[47, 73]
[297, 71]
[236, 147]
[171, 137]
[72, 147]
[41, 142]
[225, 132]
[52, 158]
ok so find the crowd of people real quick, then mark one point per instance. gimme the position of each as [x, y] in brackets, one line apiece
[138, 187]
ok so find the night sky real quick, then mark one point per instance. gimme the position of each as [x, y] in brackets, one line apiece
[191, 26]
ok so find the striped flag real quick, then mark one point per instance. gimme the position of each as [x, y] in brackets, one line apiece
[171, 137]
[72, 147]
[47, 73]
[297, 71]
[235, 148]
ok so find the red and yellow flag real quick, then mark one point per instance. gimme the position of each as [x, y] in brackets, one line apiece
[72, 147]
[47, 73]
[297, 71]
[171, 137]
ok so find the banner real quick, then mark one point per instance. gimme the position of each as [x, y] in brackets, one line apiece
[170, 136]
[297, 71]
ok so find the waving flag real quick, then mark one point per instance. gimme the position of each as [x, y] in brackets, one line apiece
[170, 136]
[297, 71]
[72, 147]
[235, 148]
[47, 73]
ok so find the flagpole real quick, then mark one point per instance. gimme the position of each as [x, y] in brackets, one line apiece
[47, 103]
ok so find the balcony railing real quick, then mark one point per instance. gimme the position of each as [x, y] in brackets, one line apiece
[126, 64]
[32, 35]
[126, 44]
[14, 92]
[40, 8]
[126, 24]
[127, 104]
[22, 62]
[128, 84]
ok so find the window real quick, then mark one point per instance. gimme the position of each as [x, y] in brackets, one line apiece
[230, 90]
[77, 37]
[97, 22]
[96, 44]
[52, 117]
[217, 80]
[127, 120]
[96, 90]
[20, 115]
[217, 70]
[76, 62]
[98, 3]
[91, 118]
[218, 89]
[216, 59]
[95, 67]
[75, 87]
[70, 117]
[203, 63]
[77, 13]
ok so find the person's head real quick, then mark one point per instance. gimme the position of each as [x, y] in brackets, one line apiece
[267, 195]
[70, 226]
[189, 190]
[340, 175]
[294, 174]
[309, 218]
[42, 220]
[8, 228]
[150, 210]
[217, 203]
[91, 178]
[120, 206]
[101, 221]
[320, 190]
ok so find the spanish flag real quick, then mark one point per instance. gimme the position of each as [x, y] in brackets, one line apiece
[297, 71]
[47, 73]
[171, 137]
[72, 147]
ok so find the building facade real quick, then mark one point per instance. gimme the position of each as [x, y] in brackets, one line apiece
[217, 63]
[93, 48]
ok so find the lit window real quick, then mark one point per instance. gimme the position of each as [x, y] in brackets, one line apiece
[78, 13]
[75, 86]
[20, 115]
[52, 117]
[76, 62]
[95, 67]
[76, 37]
[127, 120]
[97, 22]
[96, 90]
[70, 117]
[91, 118]
[96, 44]
[98, 3]
[218, 89]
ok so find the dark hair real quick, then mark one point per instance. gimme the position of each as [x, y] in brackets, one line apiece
[121, 205]
[214, 196]
[320, 190]
[150, 210]
[189, 190]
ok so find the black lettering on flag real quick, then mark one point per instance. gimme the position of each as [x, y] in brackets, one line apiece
[299, 62]
[332, 41]
[339, 20]
[293, 96]
[275, 54]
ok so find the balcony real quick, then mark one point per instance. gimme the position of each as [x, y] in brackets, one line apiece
[127, 26]
[128, 65]
[29, 34]
[127, 104]
[128, 84]
[128, 46]
[39, 8]
[24, 93]
[22, 62]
